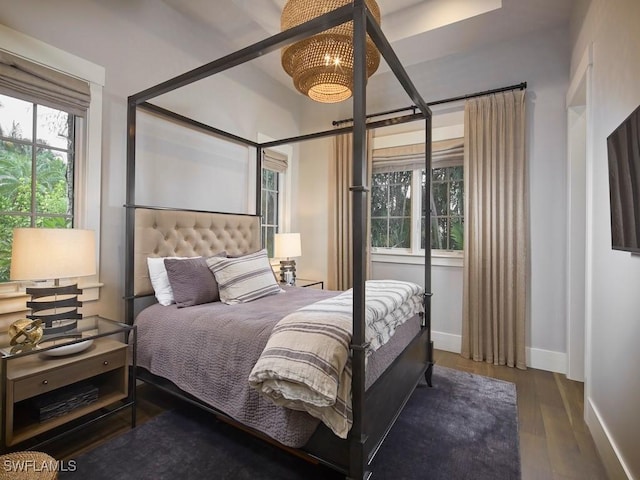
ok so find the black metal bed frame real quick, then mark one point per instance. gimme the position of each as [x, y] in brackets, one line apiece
[374, 410]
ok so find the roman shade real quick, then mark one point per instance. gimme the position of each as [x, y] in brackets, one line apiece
[36, 83]
[444, 153]
[274, 161]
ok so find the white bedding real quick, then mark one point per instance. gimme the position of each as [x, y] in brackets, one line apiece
[306, 364]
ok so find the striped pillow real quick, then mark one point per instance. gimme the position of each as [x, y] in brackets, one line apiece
[244, 279]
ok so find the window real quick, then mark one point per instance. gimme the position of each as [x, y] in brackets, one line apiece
[397, 172]
[37, 151]
[274, 167]
[391, 209]
[270, 200]
[37, 73]
[447, 208]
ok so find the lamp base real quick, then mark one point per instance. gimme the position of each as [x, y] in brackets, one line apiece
[46, 306]
[288, 272]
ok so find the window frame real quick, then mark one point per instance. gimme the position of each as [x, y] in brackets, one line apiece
[88, 148]
[415, 255]
[388, 217]
[34, 145]
[278, 218]
[284, 185]
[415, 248]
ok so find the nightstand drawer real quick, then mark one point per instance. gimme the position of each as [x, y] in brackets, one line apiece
[66, 374]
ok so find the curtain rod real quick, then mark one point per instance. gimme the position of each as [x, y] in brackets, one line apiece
[414, 108]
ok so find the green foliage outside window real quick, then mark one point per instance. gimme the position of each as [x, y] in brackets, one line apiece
[269, 212]
[447, 208]
[391, 209]
[35, 190]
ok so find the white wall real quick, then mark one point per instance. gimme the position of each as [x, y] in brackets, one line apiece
[542, 60]
[160, 180]
[140, 44]
[446, 303]
[313, 220]
[613, 384]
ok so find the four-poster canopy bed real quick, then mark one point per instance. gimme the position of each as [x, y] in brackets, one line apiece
[381, 382]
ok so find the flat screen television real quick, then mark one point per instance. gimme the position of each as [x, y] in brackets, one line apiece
[623, 148]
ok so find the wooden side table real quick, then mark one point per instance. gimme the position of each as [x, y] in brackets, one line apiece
[43, 391]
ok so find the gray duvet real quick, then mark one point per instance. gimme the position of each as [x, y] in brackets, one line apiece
[209, 350]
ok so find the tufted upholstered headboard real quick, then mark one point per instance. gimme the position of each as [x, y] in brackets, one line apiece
[184, 233]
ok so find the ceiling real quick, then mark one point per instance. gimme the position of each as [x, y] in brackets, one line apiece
[418, 30]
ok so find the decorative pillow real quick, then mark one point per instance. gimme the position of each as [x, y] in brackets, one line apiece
[275, 275]
[191, 281]
[159, 279]
[243, 279]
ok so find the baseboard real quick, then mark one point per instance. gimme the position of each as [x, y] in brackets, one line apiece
[536, 357]
[448, 342]
[547, 360]
[607, 449]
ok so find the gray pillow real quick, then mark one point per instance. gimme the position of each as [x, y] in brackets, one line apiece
[191, 281]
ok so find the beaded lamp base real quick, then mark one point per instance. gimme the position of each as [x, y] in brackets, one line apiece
[288, 272]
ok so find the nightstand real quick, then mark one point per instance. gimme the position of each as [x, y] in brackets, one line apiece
[46, 393]
[301, 282]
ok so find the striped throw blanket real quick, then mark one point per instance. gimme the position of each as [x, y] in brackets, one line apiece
[306, 362]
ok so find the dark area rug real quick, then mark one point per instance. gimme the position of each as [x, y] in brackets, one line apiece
[465, 427]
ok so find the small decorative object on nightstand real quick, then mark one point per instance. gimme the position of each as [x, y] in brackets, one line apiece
[287, 245]
[24, 334]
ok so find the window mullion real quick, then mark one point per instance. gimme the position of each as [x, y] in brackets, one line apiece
[34, 180]
[416, 211]
[447, 213]
[71, 168]
[388, 189]
[278, 212]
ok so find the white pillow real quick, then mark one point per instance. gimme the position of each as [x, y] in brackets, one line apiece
[160, 280]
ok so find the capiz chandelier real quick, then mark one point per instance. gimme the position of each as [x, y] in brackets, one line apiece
[322, 66]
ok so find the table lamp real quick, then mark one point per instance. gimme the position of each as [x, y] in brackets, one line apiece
[52, 254]
[287, 245]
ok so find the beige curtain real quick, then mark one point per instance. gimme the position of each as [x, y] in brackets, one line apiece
[496, 232]
[340, 241]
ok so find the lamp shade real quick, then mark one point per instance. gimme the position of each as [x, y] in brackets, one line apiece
[287, 245]
[52, 253]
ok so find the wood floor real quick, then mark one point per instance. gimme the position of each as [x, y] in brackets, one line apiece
[554, 440]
